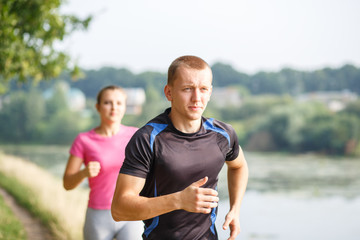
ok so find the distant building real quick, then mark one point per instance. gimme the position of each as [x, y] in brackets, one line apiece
[334, 100]
[135, 99]
[223, 97]
[75, 98]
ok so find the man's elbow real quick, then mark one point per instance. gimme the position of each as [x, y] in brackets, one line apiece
[115, 216]
[116, 213]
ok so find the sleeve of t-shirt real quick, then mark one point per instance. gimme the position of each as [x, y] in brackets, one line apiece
[138, 155]
[234, 148]
[77, 148]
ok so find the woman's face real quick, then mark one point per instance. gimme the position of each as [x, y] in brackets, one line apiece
[112, 106]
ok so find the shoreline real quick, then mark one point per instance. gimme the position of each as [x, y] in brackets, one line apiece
[33, 227]
[63, 211]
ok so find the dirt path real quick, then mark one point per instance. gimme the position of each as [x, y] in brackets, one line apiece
[33, 227]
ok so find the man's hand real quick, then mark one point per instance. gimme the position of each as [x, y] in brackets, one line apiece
[92, 169]
[232, 221]
[197, 199]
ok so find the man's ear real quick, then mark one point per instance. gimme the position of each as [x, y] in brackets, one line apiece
[167, 91]
[97, 107]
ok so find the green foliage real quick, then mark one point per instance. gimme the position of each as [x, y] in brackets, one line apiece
[353, 108]
[62, 128]
[26, 198]
[253, 106]
[10, 226]
[21, 115]
[331, 134]
[277, 123]
[289, 81]
[269, 118]
[307, 127]
[11, 117]
[225, 75]
[150, 79]
[28, 31]
[57, 101]
[26, 117]
[35, 113]
[95, 80]
[285, 82]
[241, 131]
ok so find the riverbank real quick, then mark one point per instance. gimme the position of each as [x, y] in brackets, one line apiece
[23, 226]
[43, 194]
[10, 226]
[313, 193]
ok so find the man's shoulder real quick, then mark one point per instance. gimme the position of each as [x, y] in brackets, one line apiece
[215, 123]
[158, 123]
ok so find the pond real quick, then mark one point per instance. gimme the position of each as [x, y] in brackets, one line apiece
[288, 197]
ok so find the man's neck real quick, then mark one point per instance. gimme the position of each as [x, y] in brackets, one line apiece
[185, 126]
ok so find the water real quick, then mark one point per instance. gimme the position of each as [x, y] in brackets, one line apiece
[288, 197]
[298, 197]
[52, 158]
[283, 217]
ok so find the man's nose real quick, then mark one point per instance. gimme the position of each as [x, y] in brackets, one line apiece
[196, 95]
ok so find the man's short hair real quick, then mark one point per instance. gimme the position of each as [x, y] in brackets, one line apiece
[186, 61]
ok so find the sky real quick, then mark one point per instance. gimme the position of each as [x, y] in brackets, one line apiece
[250, 35]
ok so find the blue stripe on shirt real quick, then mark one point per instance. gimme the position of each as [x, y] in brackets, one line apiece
[157, 128]
[155, 221]
[209, 125]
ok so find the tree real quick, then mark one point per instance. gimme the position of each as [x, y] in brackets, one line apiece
[57, 100]
[331, 134]
[97, 79]
[352, 108]
[225, 75]
[28, 31]
[20, 116]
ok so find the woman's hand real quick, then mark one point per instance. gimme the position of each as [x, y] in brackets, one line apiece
[92, 169]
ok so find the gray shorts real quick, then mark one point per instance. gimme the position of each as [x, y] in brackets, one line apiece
[99, 225]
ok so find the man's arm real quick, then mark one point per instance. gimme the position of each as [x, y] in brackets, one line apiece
[128, 205]
[238, 174]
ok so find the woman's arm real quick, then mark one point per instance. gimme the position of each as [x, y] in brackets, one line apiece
[73, 176]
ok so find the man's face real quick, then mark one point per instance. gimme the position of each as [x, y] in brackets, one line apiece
[189, 93]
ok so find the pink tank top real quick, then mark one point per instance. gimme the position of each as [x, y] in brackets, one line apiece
[110, 153]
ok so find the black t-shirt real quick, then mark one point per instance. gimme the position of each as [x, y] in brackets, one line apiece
[170, 161]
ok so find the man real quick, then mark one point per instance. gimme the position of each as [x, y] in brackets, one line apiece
[170, 173]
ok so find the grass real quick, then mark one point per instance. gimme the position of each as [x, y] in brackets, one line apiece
[27, 198]
[10, 226]
[43, 195]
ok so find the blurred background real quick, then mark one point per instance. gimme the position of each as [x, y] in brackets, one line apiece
[286, 76]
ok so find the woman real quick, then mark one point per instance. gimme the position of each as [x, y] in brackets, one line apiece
[102, 152]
